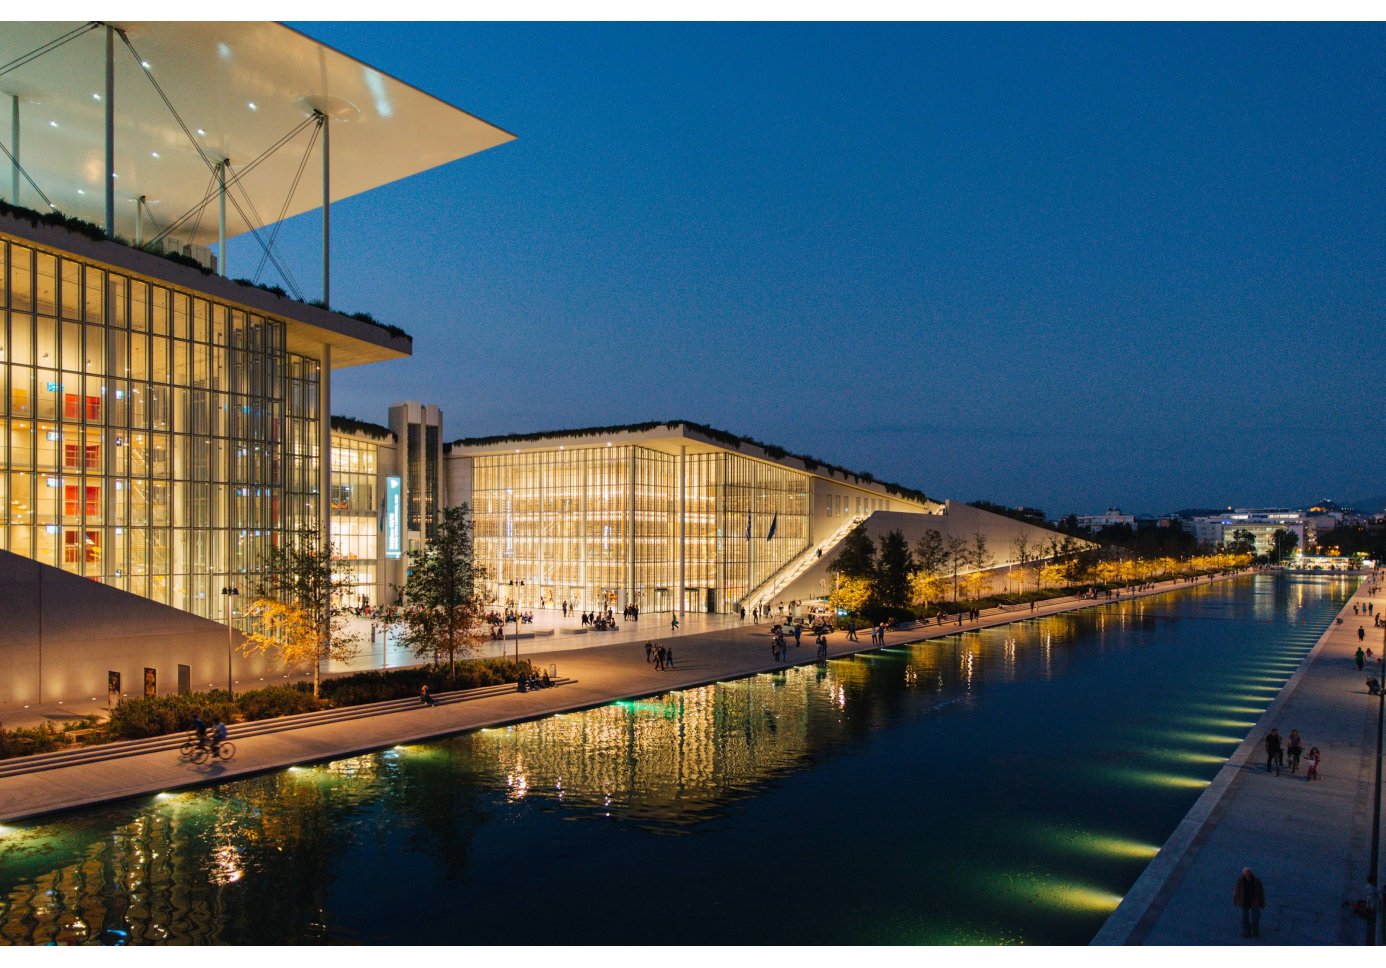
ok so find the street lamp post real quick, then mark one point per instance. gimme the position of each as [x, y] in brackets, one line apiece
[228, 592]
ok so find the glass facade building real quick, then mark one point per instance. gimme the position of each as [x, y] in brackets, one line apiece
[152, 438]
[659, 527]
[356, 512]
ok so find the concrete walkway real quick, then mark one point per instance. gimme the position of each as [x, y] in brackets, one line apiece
[1309, 843]
[602, 675]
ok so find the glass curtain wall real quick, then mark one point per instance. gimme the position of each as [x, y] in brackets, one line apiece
[598, 527]
[356, 514]
[144, 430]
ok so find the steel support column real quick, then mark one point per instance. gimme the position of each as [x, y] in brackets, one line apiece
[110, 131]
[326, 209]
[221, 216]
[14, 149]
[683, 528]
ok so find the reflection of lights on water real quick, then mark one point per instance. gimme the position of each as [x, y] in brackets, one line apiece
[518, 784]
[841, 697]
[1191, 736]
[1080, 897]
[1188, 756]
[226, 865]
[1120, 847]
[1172, 780]
[1217, 722]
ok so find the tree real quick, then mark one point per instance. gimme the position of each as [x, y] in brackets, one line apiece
[1020, 548]
[925, 588]
[893, 567]
[851, 594]
[930, 554]
[299, 591]
[1283, 542]
[1243, 543]
[981, 558]
[857, 559]
[974, 584]
[931, 560]
[446, 610]
[956, 549]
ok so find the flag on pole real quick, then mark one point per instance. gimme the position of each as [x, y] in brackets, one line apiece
[748, 525]
[774, 522]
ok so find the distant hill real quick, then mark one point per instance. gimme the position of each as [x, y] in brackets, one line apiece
[1372, 505]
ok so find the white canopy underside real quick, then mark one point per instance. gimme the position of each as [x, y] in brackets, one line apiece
[239, 88]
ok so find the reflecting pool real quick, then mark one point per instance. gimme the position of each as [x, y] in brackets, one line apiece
[994, 787]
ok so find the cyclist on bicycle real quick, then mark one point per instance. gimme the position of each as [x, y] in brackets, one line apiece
[199, 726]
[218, 735]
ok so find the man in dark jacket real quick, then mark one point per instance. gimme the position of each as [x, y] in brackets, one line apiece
[1250, 896]
[1273, 753]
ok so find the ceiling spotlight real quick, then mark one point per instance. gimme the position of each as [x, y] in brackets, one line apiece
[154, 153]
[144, 64]
[201, 132]
[52, 124]
[251, 105]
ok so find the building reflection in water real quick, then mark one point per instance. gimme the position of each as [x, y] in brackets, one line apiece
[255, 860]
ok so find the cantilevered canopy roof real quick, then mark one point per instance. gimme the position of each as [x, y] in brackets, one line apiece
[239, 88]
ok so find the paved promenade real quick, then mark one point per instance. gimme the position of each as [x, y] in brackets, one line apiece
[602, 675]
[1309, 843]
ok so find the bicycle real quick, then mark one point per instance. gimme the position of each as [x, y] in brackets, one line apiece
[223, 751]
[191, 746]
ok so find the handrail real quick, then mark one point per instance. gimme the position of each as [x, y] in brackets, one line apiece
[796, 566]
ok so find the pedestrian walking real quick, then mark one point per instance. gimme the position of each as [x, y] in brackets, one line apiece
[851, 630]
[1360, 656]
[1361, 633]
[649, 651]
[1250, 896]
[1314, 757]
[669, 656]
[1273, 754]
[673, 624]
[1295, 748]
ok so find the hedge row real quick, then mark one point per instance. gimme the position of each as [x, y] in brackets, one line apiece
[141, 717]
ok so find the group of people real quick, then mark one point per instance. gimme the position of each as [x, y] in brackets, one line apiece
[530, 681]
[499, 620]
[661, 655]
[1277, 748]
[600, 621]
[759, 612]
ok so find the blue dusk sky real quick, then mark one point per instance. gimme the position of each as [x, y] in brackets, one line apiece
[1067, 266]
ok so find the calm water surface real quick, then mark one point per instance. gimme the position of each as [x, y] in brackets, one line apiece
[1003, 786]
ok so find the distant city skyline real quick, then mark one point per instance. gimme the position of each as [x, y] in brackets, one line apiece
[1062, 266]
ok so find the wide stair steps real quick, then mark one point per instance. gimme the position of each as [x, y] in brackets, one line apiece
[766, 591]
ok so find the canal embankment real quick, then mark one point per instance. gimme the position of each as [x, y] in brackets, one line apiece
[598, 676]
[1308, 842]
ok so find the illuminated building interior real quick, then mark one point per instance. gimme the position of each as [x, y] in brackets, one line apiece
[154, 439]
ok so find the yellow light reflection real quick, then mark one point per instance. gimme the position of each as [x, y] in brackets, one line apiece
[1079, 897]
[1175, 780]
[1193, 737]
[1217, 723]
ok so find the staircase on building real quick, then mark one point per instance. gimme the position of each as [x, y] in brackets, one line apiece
[766, 592]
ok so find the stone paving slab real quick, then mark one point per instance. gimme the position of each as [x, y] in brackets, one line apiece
[603, 675]
[1307, 842]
